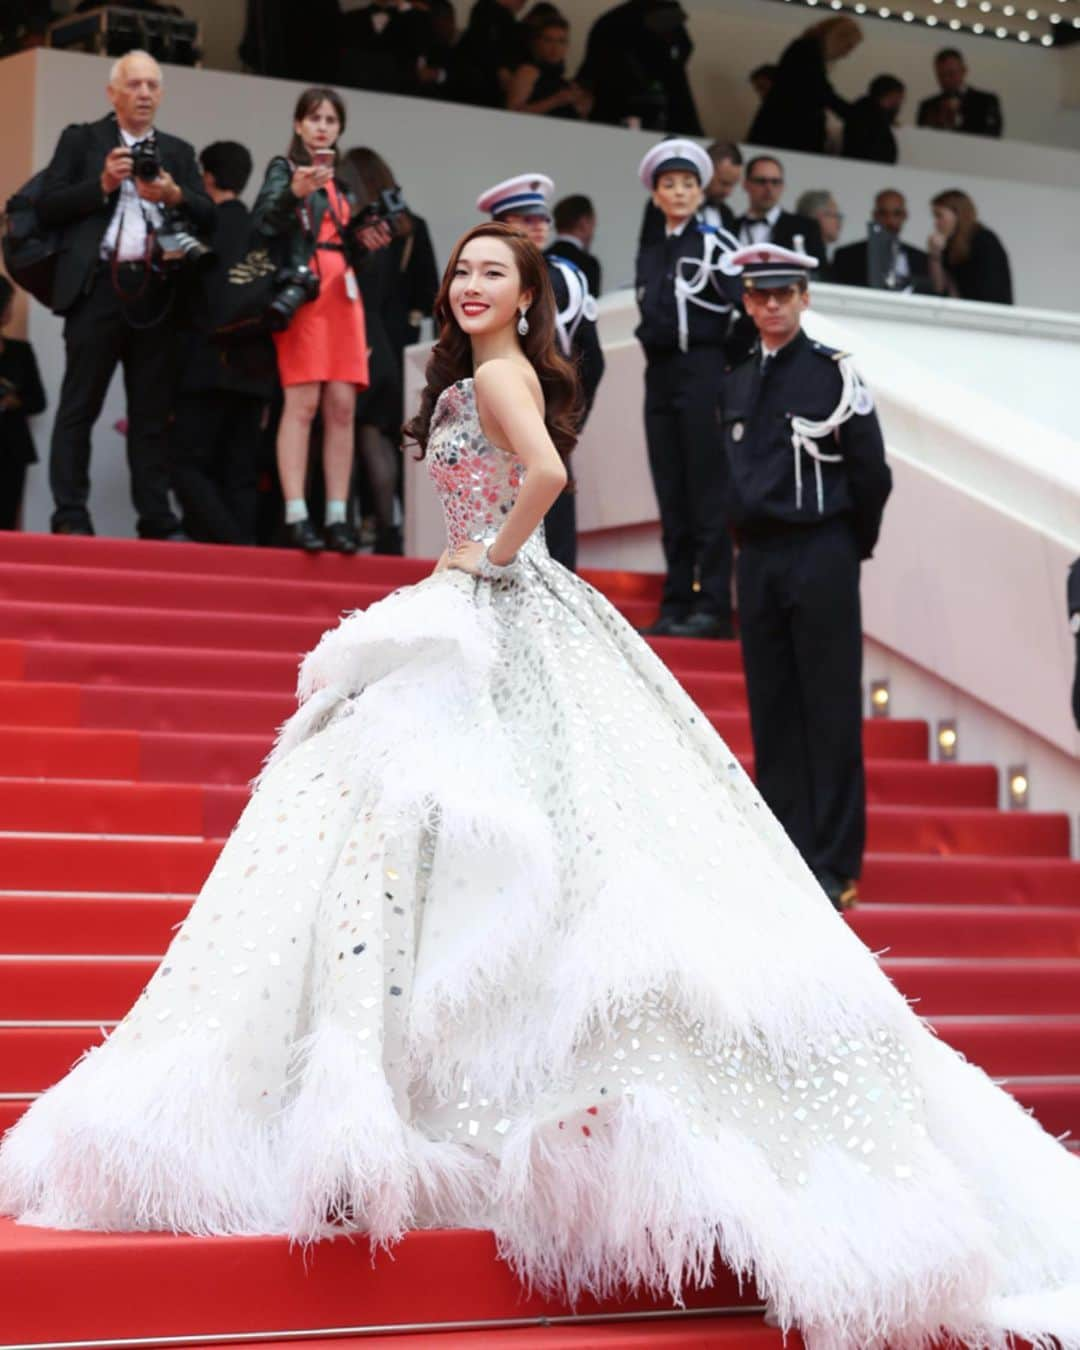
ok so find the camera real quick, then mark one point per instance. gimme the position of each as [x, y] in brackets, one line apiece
[178, 245]
[296, 286]
[390, 206]
[145, 160]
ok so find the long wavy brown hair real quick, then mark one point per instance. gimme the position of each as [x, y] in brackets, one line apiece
[451, 358]
[958, 246]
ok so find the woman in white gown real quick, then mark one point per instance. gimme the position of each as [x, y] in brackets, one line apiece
[505, 937]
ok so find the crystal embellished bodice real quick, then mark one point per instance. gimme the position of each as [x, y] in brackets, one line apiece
[477, 482]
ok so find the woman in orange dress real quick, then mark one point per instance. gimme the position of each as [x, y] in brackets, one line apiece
[322, 352]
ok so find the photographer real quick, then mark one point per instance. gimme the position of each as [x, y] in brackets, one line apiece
[121, 192]
[223, 388]
[21, 396]
[322, 353]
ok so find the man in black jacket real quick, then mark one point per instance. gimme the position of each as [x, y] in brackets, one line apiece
[491, 46]
[902, 267]
[766, 222]
[223, 388]
[958, 107]
[383, 46]
[575, 227]
[635, 66]
[868, 129]
[809, 484]
[114, 290]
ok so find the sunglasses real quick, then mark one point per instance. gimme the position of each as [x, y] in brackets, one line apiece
[766, 182]
[782, 294]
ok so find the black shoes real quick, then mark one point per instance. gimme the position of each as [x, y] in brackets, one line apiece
[702, 625]
[664, 626]
[81, 527]
[302, 534]
[340, 537]
[843, 894]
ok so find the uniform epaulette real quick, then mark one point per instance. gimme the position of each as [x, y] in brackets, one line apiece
[703, 227]
[831, 353]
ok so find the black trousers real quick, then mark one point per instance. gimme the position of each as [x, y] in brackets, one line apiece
[560, 529]
[213, 449]
[686, 457]
[801, 631]
[98, 335]
[12, 485]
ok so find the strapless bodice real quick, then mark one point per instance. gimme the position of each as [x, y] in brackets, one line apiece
[477, 482]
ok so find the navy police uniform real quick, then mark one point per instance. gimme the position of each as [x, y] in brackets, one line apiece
[809, 484]
[576, 331]
[686, 303]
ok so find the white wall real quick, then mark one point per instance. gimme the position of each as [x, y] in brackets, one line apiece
[733, 36]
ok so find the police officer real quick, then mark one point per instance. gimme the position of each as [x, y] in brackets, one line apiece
[686, 300]
[809, 484]
[525, 202]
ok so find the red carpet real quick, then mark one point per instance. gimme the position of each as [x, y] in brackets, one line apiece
[139, 688]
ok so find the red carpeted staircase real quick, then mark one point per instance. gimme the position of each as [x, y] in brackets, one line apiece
[140, 685]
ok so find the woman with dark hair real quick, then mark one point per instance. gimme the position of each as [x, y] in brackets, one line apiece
[792, 113]
[398, 288]
[506, 938]
[322, 354]
[21, 396]
[539, 84]
[967, 260]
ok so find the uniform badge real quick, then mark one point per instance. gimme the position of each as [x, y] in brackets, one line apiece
[737, 431]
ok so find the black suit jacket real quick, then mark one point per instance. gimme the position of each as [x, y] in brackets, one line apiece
[792, 114]
[385, 62]
[566, 248]
[72, 201]
[788, 226]
[980, 113]
[850, 266]
[868, 133]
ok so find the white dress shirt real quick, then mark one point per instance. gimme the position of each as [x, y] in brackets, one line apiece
[759, 231]
[126, 234]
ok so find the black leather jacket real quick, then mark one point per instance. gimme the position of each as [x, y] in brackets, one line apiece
[277, 215]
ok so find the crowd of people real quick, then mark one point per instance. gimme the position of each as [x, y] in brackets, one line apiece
[226, 419]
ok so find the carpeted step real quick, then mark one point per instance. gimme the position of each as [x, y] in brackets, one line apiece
[965, 930]
[112, 1286]
[679, 1333]
[104, 663]
[1055, 1102]
[147, 866]
[103, 988]
[325, 601]
[947, 832]
[914, 783]
[39, 922]
[1020, 1047]
[201, 560]
[898, 878]
[995, 986]
[58, 806]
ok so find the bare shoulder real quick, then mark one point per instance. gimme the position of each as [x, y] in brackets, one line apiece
[503, 380]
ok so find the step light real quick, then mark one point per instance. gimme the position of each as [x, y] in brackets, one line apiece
[948, 741]
[879, 698]
[1019, 786]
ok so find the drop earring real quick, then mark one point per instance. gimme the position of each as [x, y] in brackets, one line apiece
[523, 324]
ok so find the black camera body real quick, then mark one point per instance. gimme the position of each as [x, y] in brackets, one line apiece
[145, 160]
[296, 286]
[390, 206]
[182, 247]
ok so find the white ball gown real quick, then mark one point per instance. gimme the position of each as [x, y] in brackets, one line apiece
[505, 937]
